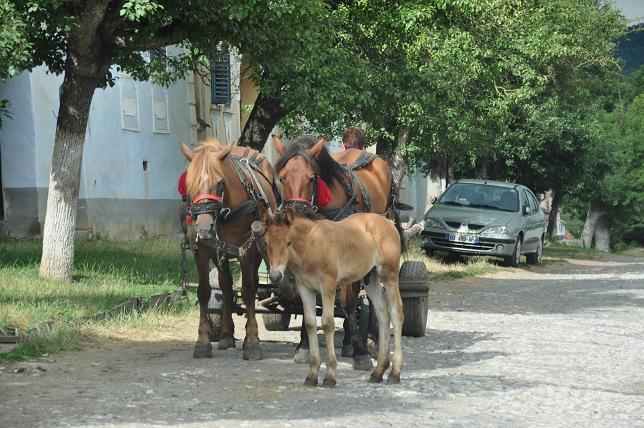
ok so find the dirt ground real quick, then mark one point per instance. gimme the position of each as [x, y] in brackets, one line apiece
[558, 345]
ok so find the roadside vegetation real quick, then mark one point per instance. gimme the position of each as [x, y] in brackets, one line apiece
[442, 266]
[107, 273]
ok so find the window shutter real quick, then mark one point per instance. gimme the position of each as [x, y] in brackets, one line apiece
[220, 79]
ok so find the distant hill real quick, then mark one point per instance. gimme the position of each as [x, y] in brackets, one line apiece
[631, 49]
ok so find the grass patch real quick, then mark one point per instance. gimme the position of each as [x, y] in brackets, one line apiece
[108, 272]
[560, 251]
[445, 266]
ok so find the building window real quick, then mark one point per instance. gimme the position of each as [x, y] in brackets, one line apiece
[220, 80]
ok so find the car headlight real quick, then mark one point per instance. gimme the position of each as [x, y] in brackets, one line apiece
[496, 231]
[431, 222]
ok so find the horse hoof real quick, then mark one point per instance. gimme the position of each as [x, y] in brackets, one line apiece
[374, 378]
[362, 363]
[302, 356]
[311, 382]
[328, 383]
[372, 348]
[253, 353]
[202, 351]
[393, 379]
[347, 351]
[225, 343]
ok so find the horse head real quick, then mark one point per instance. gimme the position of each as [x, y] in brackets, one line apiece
[205, 179]
[274, 235]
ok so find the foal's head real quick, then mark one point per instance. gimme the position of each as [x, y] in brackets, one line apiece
[300, 164]
[205, 179]
[275, 239]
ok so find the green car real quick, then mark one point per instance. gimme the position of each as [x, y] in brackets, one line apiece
[483, 217]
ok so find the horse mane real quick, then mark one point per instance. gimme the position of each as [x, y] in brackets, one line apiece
[204, 165]
[301, 211]
[323, 164]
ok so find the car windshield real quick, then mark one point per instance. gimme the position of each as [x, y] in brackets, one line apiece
[484, 196]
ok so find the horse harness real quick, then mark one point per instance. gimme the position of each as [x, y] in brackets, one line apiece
[247, 168]
[336, 214]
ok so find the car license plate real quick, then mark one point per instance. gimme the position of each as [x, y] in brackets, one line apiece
[461, 237]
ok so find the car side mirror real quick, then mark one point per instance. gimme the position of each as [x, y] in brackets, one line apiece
[527, 211]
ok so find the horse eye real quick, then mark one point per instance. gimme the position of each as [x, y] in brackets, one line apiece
[282, 179]
[288, 243]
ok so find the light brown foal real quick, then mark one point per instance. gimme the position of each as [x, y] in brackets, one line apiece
[323, 255]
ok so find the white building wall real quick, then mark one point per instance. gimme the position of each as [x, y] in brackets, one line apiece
[131, 159]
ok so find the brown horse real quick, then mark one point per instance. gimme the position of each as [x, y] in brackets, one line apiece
[228, 186]
[355, 185]
[321, 258]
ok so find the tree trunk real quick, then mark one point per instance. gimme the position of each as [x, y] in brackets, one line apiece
[266, 113]
[449, 170]
[399, 164]
[554, 210]
[593, 217]
[602, 234]
[482, 168]
[64, 179]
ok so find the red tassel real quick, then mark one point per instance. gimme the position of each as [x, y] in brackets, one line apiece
[188, 219]
[324, 194]
[182, 187]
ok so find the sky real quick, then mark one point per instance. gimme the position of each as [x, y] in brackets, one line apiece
[633, 10]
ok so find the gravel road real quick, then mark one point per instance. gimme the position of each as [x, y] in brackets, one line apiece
[559, 345]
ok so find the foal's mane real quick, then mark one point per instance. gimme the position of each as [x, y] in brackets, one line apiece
[323, 164]
[204, 166]
[302, 211]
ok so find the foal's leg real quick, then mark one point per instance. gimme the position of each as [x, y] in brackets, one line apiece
[203, 348]
[227, 339]
[328, 326]
[394, 303]
[374, 291]
[310, 321]
[250, 281]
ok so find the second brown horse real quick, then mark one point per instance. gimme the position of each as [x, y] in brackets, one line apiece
[358, 182]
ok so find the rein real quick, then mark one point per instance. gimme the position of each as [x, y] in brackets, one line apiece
[223, 215]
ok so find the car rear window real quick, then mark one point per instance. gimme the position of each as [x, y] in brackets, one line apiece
[485, 196]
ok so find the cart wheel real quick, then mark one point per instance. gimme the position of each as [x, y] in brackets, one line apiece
[415, 310]
[414, 277]
[276, 322]
[413, 271]
[215, 321]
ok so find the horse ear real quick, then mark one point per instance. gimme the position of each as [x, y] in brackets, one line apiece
[187, 151]
[315, 150]
[264, 216]
[289, 216]
[224, 152]
[277, 143]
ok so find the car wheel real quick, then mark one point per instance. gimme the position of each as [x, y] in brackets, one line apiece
[514, 259]
[429, 252]
[536, 257]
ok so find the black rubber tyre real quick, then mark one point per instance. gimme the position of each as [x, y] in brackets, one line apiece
[276, 322]
[413, 271]
[415, 311]
[414, 277]
[429, 252]
[536, 257]
[515, 258]
[215, 321]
